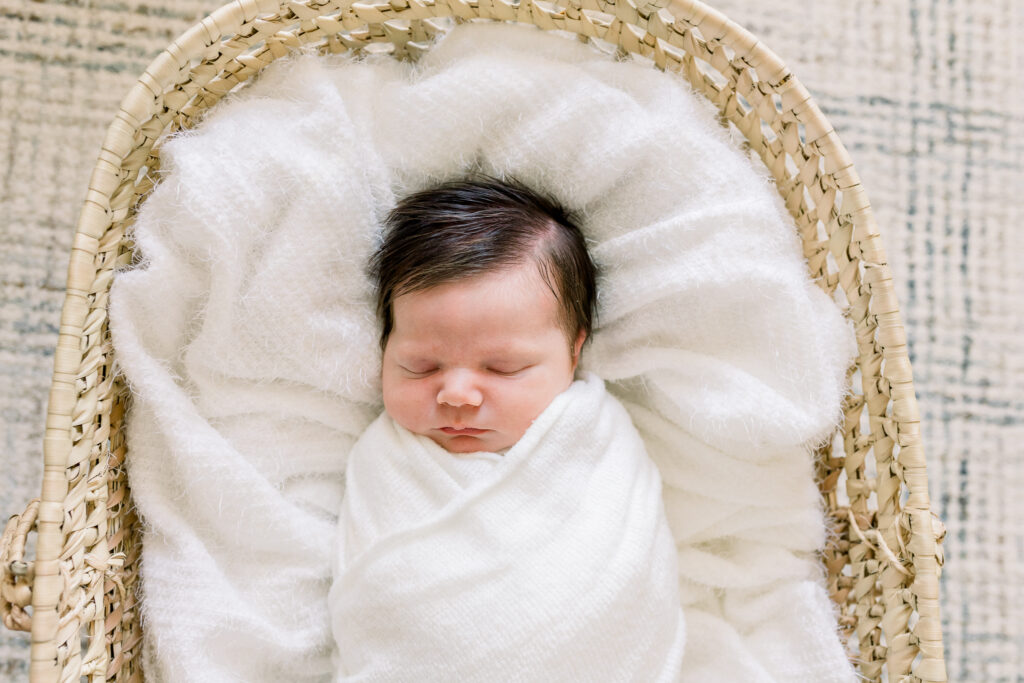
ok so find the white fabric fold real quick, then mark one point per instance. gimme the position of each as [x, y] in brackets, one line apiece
[553, 562]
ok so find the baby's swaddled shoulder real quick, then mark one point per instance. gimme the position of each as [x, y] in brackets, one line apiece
[613, 410]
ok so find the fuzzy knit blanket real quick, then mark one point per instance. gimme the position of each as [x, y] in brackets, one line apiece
[247, 336]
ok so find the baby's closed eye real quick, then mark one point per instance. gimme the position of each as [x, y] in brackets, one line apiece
[419, 371]
[508, 370]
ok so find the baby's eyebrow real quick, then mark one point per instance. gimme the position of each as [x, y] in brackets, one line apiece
[509, 354]
[408, 357]
[522, 343]
[415, 351]
[411, 347]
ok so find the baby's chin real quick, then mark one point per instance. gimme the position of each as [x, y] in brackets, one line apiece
[489, 442]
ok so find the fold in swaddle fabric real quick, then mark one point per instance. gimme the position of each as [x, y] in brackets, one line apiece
[552, 563]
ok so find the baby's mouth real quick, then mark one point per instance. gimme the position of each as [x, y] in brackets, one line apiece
[463, 431]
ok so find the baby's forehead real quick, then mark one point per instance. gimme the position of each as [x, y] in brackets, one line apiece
[491, 309]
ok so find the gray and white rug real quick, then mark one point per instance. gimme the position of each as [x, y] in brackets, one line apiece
[929, 98]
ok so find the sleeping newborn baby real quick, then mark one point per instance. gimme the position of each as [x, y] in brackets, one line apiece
[501, 520]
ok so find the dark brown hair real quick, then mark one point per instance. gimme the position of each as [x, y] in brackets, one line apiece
[479, 224]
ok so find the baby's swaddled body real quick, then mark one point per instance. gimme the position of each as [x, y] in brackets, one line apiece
[551, 562]
[501, 520]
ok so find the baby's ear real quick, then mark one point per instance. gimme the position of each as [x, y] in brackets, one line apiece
[577, 345]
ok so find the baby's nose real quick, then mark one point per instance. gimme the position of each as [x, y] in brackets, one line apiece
[459, 389]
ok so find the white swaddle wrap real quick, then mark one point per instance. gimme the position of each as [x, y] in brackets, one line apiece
[553, 562]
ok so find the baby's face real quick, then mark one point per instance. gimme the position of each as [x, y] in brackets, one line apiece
[472, 363]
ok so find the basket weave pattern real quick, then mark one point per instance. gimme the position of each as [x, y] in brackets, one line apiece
[884, 560]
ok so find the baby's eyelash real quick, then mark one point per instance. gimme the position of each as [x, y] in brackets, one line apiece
[509, 372]
[418, 372]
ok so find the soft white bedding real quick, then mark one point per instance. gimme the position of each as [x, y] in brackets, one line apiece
[248, 339]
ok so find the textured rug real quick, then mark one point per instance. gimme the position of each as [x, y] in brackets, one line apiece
[935, 130]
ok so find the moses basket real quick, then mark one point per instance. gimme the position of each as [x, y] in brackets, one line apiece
[882, 563]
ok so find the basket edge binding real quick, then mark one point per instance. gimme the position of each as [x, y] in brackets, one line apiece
[893, 550]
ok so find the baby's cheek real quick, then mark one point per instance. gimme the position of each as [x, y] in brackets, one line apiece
[413, 406]
[528, 407]
[423, 404]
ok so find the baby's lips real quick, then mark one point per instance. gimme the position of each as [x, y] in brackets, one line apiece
[468, 431]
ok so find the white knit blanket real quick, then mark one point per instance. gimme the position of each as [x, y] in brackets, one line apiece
[553, 562]
[248, 338]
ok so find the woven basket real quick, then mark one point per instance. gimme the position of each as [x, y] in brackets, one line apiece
[884, 560]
